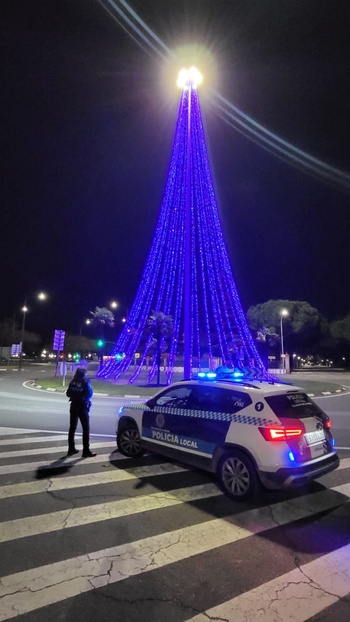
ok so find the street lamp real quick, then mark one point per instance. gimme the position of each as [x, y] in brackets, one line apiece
[116, 305]
[40, 296]
[283, 313]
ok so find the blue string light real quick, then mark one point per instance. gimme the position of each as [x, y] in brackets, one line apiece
[218, 325]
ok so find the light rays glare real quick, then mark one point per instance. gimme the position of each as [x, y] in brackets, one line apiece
[254, 131]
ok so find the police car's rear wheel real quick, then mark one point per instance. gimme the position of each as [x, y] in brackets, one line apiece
[237, 474]
[129, 442]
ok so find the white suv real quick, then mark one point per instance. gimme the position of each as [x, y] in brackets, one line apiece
[248, 432]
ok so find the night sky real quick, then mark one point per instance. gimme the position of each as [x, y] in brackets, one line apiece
[88, 124]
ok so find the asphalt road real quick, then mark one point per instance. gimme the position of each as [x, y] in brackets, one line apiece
[30, 408]
[110, 538]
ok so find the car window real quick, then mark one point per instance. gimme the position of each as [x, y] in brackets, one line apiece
[234, 401]
[174, 398]
[215, 399]
[293, 405]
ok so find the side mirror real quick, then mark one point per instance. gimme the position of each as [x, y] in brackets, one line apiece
[151, 403]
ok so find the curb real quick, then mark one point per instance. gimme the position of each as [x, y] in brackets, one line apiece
[39, 387]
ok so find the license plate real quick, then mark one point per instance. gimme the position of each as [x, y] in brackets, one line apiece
[314, 437]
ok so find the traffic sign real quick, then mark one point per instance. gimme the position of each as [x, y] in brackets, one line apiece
[58, 340]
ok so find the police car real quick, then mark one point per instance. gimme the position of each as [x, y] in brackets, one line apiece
[248, 432]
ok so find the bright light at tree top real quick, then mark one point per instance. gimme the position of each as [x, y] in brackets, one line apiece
[191, 76]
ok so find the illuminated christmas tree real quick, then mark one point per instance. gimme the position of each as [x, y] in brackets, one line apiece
[188, 274]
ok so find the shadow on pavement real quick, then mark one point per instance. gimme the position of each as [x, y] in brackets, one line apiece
[55, 468]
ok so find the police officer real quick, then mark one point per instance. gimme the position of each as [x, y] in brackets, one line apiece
[79, 393]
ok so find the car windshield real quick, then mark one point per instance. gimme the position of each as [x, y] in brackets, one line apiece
[293, 405]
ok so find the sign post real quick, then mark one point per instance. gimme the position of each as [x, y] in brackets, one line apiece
[63, 372]
[16, 350]
[58, 344]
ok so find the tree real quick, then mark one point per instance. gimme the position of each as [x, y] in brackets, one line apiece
[340, 329]
[303, 328]
[161, 327]
[78, 343]
[340, 335]
[102, 318]
[9, 334]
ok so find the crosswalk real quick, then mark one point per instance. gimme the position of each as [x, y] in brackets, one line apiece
[111, 538]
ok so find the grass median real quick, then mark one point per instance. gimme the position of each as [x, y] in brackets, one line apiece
[314, 387]
[99, 386]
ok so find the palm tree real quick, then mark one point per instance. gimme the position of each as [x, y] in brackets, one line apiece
[102, 317]
[161, 326]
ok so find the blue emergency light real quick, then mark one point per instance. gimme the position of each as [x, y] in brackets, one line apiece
[207, 374]
[227, 374]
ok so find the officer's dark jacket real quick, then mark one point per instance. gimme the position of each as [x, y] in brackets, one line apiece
[80, 393]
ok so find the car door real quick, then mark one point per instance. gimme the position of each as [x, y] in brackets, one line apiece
[160, 422]
[212, 411]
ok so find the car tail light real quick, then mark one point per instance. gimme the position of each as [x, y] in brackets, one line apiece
[280, 434]
[328, 423]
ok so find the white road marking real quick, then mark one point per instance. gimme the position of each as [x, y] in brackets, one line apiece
[76, 461]
[348, 448]
[6, 431]
[96, 395]
[32, 589]
[323, 397]
[344, 464]
[92, 479]
[34, 439]
[50, 450]
[64, 519]
[295, 596]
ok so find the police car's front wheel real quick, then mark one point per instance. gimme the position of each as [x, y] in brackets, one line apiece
[129, 442]
[237, 475]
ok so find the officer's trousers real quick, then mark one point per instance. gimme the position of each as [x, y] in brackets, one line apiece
[78, 412]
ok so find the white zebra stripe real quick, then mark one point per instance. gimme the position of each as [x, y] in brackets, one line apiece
[91, 479]
[295, 596]
[35, 439]
[6, 431]
[64, 519]
[76, 460]
[32, 589]
[51, 450]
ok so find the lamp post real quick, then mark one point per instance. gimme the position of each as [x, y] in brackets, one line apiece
[188, 80]
[24, 310]
[283, 313]
[81, 326]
